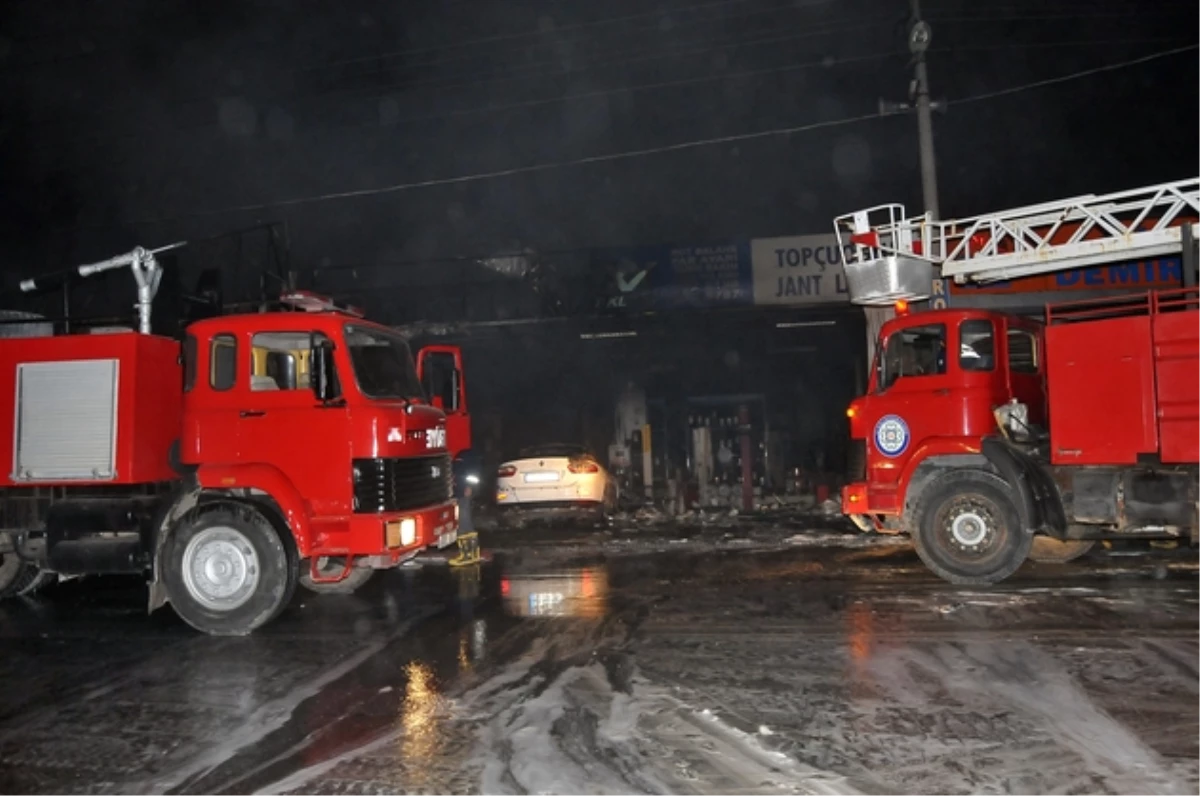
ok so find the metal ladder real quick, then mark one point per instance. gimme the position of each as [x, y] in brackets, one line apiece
[885, 247]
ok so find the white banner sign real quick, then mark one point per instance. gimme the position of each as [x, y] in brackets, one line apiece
[804, 269]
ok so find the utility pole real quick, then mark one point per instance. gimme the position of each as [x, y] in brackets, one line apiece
[919, 36]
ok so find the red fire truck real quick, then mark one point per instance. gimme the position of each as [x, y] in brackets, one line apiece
[992, 438]
[267, 450]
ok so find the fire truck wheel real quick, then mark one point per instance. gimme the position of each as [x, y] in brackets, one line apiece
[227, 571]
[19, 578]
[969, 530]
[1048, 550]
[331, 569]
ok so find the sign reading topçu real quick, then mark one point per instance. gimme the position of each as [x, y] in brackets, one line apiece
[805, 269]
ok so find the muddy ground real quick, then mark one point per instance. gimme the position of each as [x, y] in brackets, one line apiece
[780, 656]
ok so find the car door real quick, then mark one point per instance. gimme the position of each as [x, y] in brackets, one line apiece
[440, 369]
[285, 426]
[913, 399]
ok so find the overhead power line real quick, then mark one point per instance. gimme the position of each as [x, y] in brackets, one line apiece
[1077, 75]
[658, 150]
[507, 73]
[102, 138]
[532, 169]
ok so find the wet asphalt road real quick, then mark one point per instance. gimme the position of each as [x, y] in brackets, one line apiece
[713, 662]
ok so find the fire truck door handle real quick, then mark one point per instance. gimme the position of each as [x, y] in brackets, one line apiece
[251, 413]
[943, 391]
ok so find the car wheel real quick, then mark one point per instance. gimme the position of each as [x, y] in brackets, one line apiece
[1048, 550]
[227, 571]
[969, 530]
[330, 569]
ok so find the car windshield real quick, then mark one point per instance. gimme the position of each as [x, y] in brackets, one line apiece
[554, 449]
[383, 364]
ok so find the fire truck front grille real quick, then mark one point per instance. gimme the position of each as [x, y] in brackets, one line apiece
[401, 484]
[856, 461]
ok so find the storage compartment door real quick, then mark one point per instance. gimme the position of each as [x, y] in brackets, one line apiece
[1177, 366]
[66, 421]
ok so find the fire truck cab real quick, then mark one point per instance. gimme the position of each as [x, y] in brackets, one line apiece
[265, 451]
[936, 379]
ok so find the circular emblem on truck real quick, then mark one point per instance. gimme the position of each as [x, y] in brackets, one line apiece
[891, 435]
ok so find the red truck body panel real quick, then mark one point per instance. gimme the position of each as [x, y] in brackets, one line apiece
[1122, 380]
[1101, 391]
[1176, 329]
[147, 405]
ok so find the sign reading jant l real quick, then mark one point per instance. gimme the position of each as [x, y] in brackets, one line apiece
[804, 269]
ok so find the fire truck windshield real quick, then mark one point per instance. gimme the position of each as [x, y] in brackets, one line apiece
[383, 364]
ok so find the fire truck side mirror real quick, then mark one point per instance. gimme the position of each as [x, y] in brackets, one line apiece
[324, 375]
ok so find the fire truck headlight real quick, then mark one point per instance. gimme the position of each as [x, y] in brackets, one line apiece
[408, 531]
[472, 479]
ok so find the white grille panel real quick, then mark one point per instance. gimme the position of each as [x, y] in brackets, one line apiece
[66, 420]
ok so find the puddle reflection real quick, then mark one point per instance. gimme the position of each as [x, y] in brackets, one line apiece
[421, 738]
[580, 593]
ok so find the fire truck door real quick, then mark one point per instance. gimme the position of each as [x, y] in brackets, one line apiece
[283, 424]
[440, 368]
[915, 399]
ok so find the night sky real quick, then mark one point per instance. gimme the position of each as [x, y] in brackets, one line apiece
[141, 122]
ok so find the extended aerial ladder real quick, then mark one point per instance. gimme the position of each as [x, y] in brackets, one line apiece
[890, 256]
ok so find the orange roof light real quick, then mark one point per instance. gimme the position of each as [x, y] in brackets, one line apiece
[901, 307]
[851, 411]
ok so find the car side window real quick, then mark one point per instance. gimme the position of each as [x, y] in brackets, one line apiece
[222, 366]
[279, 361]
[439, 374]
[915, 351]
[976, 345]
[189, 362]
[1022, 351]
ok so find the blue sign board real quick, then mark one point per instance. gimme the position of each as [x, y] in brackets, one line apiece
[663, 277]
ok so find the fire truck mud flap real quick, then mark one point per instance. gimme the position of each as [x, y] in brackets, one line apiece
[1037, 497]
[185, 498]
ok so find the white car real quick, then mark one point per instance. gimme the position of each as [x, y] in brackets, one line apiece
[555, 478]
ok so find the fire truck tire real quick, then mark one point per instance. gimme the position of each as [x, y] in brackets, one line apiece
[20, 578]
[227, 571]
[348, 585]
[968, 529]
[1048, 550]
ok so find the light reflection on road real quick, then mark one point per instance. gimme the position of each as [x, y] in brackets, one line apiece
[421, 740]
[578, 593]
